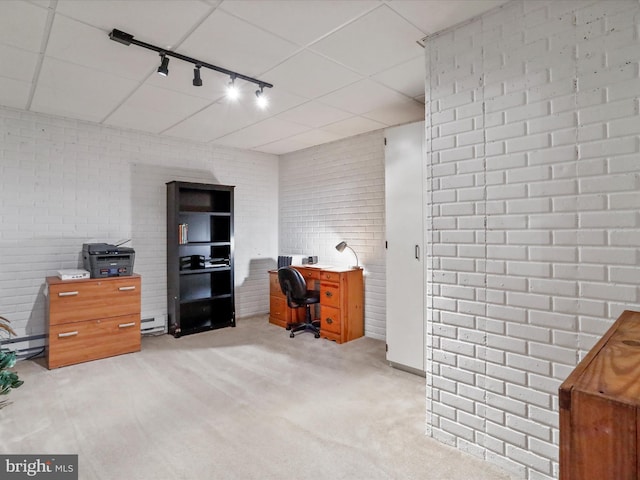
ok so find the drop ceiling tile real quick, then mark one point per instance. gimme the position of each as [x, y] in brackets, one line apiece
[408, 78]
[398, 113]
[281, 147]
[362, 97]
[201, 127]
[315, 137]
[154, 109]
[14, 93]
[226, 116]
[17, 64]
[22, 24]
[267, 131]
[299, 22]
[279, 100]
[78, 92]
[81, 44]
[353, 126]
[228, 42]
[159, 22]
[310, 75]
[41, 3]
[217, 120]
[314, 114]
[432, 16]
[373, 43]
[298, 142]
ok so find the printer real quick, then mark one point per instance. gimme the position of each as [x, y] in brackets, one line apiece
[106, 260]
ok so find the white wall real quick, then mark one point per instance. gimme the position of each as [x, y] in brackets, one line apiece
[534, 163]
[335, 192]
[65, 182]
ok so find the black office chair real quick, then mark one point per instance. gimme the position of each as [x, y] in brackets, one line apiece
[294, 287]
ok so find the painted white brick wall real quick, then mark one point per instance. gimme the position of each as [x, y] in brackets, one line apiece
[65, 182]
[533, 139]
[335, 192]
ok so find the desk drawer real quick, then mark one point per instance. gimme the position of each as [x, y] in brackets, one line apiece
[309, 273]
[330, 276]
[278, 308]
[93, 339]
[330, 320]
[274, 285]
[79, 301]
[330, 294]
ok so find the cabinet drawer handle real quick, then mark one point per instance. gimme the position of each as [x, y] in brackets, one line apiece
[125, 325]
[329, 320]
[67, 294]
[328, 294]
[67, 334]
[124, 289]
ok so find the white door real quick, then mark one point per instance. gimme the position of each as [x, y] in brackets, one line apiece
[405, 246]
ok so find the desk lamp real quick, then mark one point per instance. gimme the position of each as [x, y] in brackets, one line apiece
[342, 245]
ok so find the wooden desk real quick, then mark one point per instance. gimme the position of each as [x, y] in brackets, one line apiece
[341, 302]
[600, 408]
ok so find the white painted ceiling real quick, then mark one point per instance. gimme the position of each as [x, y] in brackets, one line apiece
[339, 67]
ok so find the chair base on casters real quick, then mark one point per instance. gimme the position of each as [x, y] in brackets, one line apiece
[304, 327]
[308, 326]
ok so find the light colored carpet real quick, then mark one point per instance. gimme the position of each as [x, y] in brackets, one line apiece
[238, 403]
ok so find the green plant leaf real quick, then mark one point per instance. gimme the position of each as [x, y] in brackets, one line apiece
[8, 380]
[7, 360]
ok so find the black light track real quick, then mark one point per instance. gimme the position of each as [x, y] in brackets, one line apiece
[128, 39]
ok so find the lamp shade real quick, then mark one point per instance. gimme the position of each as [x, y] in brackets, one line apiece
[342, 245]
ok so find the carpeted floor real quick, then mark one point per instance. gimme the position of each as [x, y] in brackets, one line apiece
[238, 403]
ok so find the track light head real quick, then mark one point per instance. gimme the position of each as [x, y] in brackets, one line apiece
[197, 81]
[261, 99]
[163, 69]
[232, 91]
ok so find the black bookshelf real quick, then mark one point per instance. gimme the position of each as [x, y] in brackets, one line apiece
[200, 247]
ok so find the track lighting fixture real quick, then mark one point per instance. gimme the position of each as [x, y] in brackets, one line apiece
[197, 81]
[232, 90]
[163, 69]
[128, 39]
[261, 99]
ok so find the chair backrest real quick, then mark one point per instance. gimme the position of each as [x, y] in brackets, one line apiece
[292, 284]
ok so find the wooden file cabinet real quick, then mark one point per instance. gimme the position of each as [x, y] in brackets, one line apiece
[600, 408]
[92, 318]
[341, 302]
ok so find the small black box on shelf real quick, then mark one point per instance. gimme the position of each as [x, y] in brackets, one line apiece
[192, 262]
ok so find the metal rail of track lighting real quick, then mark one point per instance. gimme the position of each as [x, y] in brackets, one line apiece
[232, 90]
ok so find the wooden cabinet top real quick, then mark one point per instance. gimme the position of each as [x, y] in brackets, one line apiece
[59, 281]
[324, 268]
[612, 368]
